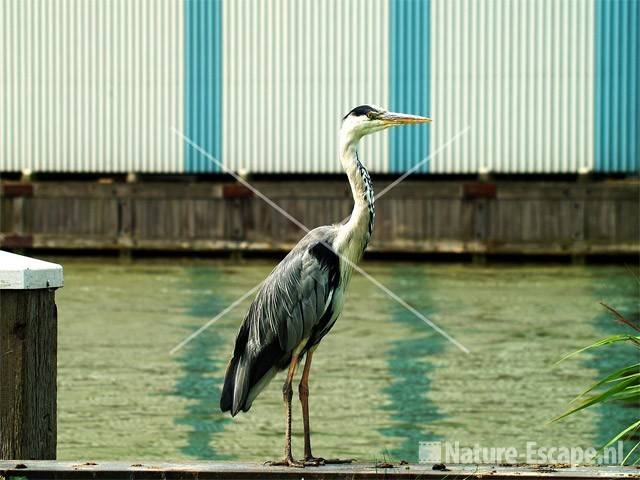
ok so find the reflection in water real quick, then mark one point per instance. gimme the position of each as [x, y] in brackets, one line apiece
[198, 359]
[621, 292]
[408, 360]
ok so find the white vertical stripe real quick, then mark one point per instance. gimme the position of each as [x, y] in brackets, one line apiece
[521, 73]
[91, 86]
[290, 77]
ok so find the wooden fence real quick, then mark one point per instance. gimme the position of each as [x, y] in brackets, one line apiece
[504, 217]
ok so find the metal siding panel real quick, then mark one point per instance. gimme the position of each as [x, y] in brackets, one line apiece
[617, 100]
[96, 86]
[203, 83]
[292, 69]
[409, 36]
[91, 86]
[520, 74]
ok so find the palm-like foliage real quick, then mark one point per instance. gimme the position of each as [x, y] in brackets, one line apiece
[622, 385]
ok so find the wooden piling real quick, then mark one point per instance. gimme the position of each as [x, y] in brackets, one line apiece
[28, 356]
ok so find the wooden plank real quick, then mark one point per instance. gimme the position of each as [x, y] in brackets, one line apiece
[247, 471]
[6, 214]
[28, 355]
[168, 190]
[12, 190]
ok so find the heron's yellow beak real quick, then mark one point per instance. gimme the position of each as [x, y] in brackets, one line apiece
[392, 118]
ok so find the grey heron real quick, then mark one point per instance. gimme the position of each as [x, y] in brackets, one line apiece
[302, 297]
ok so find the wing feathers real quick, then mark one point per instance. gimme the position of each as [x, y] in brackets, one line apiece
[287, 309]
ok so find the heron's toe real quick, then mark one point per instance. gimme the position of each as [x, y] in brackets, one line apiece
[285, 462]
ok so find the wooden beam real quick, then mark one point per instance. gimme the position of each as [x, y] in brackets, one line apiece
[249, 471]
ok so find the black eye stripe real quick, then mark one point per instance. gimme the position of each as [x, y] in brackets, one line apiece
[361, 110]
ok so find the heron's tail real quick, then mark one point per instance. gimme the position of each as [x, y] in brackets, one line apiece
[244, 380]
[237, 378]
[249, 371]
[234, 391]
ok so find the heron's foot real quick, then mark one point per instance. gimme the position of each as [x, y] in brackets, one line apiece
[285, 462]
[316, 461]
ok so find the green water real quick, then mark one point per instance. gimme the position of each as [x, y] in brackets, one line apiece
[381, 381]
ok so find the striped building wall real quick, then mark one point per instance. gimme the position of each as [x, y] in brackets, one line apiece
[91, 86]
[521, 76]
[292, 69]
[527, 86]
[617, 105]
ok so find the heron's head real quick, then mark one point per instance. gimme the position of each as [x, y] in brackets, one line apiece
[367, 119]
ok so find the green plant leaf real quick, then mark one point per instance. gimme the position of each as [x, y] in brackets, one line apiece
[623, 385]
[624, 460]
[629, 393]
[613, 377]
[621, 434]
[633, 375]
[600, 398]
[622, 337]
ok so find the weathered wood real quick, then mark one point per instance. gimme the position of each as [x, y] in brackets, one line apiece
[28, 357]
[502, 217]
[249, 471]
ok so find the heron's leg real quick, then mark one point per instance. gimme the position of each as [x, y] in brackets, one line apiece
[303, 390]
[287, 395]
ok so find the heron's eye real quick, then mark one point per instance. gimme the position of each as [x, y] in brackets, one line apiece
[372, 114]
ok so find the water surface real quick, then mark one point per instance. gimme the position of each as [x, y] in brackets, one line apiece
[381, 381]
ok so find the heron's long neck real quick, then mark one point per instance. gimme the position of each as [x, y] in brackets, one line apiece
[357, 231]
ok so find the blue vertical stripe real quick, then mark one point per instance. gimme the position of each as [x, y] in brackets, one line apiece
[203, 83]
[409, 82]
[617, 102]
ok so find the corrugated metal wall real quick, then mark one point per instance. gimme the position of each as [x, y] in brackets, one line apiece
[203, 85]
[292, 69]
[521, 75]
[617, 86]
[96, 86]
[91, 85]
[410, 41]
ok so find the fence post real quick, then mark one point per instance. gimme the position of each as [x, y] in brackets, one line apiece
[28, 355]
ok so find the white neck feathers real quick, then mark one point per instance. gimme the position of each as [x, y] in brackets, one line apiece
[356, 233]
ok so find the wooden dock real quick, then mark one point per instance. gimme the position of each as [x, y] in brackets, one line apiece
[418, 216]
[250, 471]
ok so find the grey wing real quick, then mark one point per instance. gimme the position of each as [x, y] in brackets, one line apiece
[286, 310]
[291, 302]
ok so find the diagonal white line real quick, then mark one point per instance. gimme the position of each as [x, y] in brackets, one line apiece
[214, 319]
[241, 180]
[424, 161]
[402, 302]
[306, 229]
